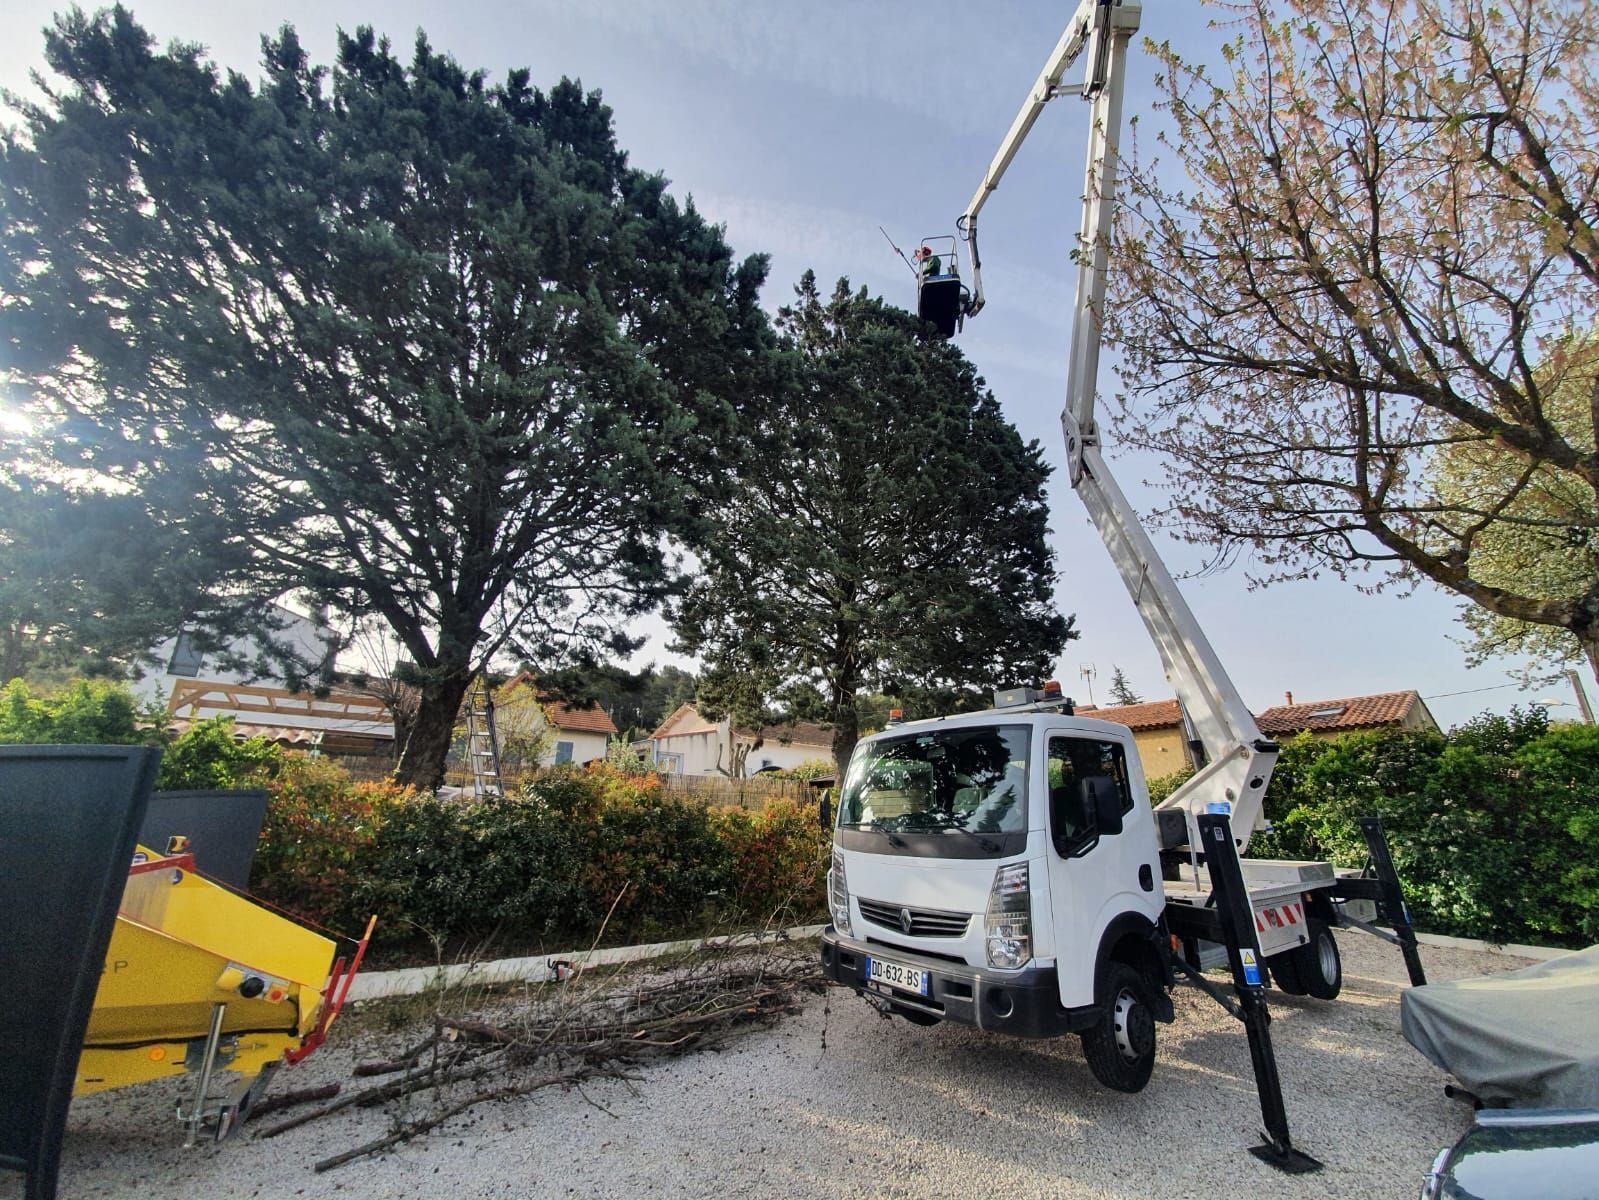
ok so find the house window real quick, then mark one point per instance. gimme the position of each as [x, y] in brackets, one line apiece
[186, 657]
[563, 752]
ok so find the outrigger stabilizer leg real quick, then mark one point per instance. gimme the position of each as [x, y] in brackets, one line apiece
[1379, 882]
[1231, 923]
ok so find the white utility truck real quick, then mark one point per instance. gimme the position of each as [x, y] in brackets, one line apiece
[1005, 868]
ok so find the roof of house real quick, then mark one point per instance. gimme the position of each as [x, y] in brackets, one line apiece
[581, 720]
[591, 719]
[684, 720]
[1355, 712]
[799, 733]
[1153, 714]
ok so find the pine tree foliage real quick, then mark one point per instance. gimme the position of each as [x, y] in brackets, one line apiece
[440, 356]
[888, 535]
[1121, 692]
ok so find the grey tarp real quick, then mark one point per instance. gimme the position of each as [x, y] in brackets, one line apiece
[1529, 1038]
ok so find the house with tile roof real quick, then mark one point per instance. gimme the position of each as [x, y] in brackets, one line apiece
[688, 744]
[553, 731]
[1158, 725]
[1327, 718]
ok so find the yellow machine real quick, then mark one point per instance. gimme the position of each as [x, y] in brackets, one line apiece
[200, 980]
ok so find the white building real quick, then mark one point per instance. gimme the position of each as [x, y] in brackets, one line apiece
[687, 744]
[560, 733]
[198, 685]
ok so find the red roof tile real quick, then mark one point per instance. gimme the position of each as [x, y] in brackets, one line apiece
[1356, 712]
[1154, 714]
[581, 720]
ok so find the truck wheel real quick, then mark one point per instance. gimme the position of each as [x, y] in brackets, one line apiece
[1320, 968]
[1285, 972]
[1120, 1047]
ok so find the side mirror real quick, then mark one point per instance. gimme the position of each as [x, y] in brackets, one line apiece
[1102, 803]
[824, 810]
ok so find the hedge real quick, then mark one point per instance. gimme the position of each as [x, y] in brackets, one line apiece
[1494, 827]
[580, 851]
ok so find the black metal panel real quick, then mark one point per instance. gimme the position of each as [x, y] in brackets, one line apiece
[1237, 922]
[222, 828]
[68, 818]
[939, 301]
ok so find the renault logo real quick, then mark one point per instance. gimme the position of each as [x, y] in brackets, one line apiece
[905, 919]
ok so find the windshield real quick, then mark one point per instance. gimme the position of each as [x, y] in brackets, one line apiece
[972, 780]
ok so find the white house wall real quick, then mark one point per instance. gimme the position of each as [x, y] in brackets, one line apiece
[786, 757]
[586, 746]
[301, 633]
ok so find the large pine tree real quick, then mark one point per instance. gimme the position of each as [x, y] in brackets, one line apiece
[440, 356]
[888, 534]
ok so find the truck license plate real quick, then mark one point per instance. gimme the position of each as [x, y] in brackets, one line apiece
[907, 979]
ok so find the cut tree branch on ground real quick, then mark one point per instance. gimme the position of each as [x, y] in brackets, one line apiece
[502, 1045]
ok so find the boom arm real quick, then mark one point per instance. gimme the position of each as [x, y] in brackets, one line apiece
[1239, 760]
[1090, 23]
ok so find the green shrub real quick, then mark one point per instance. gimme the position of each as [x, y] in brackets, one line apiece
[779, 861]
[98, 712]
[552, 864]
[316, 841]
[1491, 827]
[84, 713]
[208, 755]
[580, 851]
[1162, 786]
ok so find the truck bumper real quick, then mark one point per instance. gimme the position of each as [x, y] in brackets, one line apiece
[1023, 1003]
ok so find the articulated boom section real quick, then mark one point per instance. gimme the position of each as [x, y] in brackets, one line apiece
[1240, 760]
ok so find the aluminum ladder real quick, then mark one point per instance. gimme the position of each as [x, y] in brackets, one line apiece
[482, 743]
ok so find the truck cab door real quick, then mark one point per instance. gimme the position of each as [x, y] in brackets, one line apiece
[1093, 862]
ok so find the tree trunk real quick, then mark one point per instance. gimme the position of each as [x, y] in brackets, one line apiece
[846, 732]
[422, 760]
[1590, 647]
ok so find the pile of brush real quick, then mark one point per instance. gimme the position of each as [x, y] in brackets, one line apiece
[591, 1023]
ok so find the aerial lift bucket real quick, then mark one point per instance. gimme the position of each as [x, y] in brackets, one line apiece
[940, 295]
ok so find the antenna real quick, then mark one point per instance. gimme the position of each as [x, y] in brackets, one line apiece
[1088, 673]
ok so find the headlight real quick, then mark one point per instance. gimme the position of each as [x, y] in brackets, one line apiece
[838, 895]
[1008, 926]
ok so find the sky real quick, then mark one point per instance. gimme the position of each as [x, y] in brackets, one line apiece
[802, 128]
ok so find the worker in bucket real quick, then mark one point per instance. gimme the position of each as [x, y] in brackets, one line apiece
[928, 262]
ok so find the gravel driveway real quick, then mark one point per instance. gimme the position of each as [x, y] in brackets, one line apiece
[839, 1102]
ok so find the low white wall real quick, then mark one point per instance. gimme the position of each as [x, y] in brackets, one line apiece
[374, 985]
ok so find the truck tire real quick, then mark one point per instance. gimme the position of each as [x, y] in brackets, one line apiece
[1120, 1046]
[1320, 968]
[1285, 972]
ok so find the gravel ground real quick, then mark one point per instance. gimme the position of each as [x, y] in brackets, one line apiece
[839, 1102]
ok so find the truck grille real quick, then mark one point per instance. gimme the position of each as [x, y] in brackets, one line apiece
[924, 922]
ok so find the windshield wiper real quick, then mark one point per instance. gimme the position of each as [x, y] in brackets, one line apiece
[893, 838]
[876, 826]
[987, 843]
